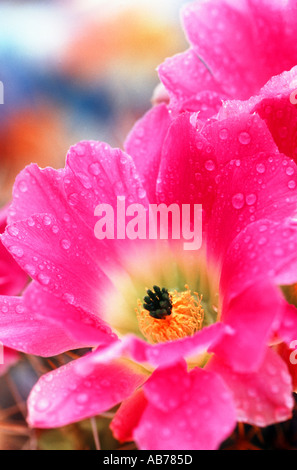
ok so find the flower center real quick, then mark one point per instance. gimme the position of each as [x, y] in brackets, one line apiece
[167, 316]
[158, 303]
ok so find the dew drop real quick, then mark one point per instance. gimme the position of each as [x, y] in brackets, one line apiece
[290, 171]
[42, 405]
[69, 298]
[262, 241]
[82, 398]
[238, 201]
[260, 168]
[17, 251]
[13, 231]
[244, 138]
[224, 134]
[47, 220]
[20, 309]
[141, 193]
[31, 222]
[73, 199]
[209, 165]
[43, 279]
[65, 244]
[23, 186]
[94, 169]
[79, 150]
[251, 199]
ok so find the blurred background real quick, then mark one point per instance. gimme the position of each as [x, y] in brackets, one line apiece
[77, 69]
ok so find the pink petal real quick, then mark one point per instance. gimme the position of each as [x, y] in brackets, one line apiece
[80, 390]
[251, 190]
[263, 397]
[95, 173]
[191, 85]
[216, 30]
[180, 183]
[281, 118]
[160, 95]
[189, 410]
[10, 357]
[274, 105]
[287, 329]
[236, 48]
[238, 137]
[144, 144]
[85, 328]
[252, 315]
[53, 238]
[165, 354]
[264, 249]
[23, 329]
[12, 278]
[288, 355]
[226, 174]
[49, 250]
[128, 415]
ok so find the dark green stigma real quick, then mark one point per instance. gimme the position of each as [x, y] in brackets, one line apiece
[158, 303]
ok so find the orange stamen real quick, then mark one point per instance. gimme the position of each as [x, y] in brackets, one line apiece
[186, 318]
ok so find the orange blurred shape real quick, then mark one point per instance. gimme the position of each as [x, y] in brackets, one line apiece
[131, 38]
[29, 136]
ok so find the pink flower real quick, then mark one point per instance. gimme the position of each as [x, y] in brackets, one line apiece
[10, 357]
[235, 48]
[12, 278]
[12, 281]
[274, 104]
[190, 383]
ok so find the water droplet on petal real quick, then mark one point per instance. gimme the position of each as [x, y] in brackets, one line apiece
[13, 231]
[238, 201]
[79, 150]
[17, 251]
[260, 168]
[244, 138]
[23, 186]
[290, 171]
[65, 244]
[69, 298]
[141, 193]
[20, 309]
[43, 279]
[262, 241]
[209, 165]
[82, 398]
[94, 169]
[47, 220]
[43, 404]
[30, 269]
[224, 134]
[251, 199]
